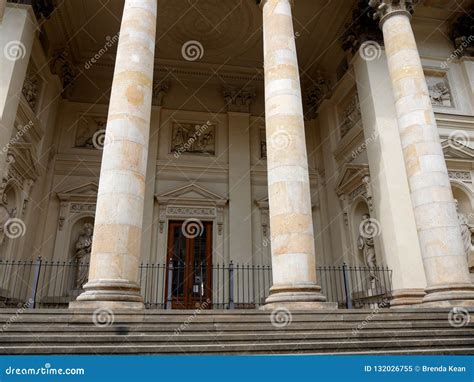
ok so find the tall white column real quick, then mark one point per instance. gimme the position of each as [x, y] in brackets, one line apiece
[439, 232]
[291, 223]
[115, 258]
[17, 35]
[391, 195]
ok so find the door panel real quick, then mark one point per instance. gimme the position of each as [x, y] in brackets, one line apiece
[191, 256]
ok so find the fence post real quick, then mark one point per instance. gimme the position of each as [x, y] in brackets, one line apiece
[231, 285]
[346, 287]
[169, 297]
[34, 292]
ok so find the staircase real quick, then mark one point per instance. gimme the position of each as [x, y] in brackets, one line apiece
[401, 331]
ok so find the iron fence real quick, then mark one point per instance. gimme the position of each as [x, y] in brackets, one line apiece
[49, 284]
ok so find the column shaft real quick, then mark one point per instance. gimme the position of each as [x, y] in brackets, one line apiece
[432, 199]
[113, 275]
[291, 224]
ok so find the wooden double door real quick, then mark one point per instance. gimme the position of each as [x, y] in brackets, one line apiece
[190, 252]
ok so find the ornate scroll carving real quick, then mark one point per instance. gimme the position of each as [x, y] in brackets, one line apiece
[238, 99]
[159, 92]
[62, 65]
[351, 115]
[386, 8]
[315, 95]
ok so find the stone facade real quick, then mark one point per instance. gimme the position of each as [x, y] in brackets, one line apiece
[284, 152]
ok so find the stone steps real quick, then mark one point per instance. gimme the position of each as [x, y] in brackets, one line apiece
[426, 331]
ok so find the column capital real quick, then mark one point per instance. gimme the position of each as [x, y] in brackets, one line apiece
[238, 99]
[262, 3]
[387, 8]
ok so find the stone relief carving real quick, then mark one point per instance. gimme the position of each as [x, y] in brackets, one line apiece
[464, 176]
[351, 115]
[193, 138]
[238, 99]
[82, 254]
[31, 89]
[86, 130]
[438, 87]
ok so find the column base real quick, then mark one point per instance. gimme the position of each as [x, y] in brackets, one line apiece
[446, 296]
[407, 298]
[109, 294]
[297, 297]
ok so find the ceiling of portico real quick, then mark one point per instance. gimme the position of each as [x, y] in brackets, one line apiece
[230, 32]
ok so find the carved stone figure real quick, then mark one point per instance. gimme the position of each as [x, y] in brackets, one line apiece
[467, 231]
[365, 243]
[30, 90]
[83, 253]
[193, 138]
[440, 94]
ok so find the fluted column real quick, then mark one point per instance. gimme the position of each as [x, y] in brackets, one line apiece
[291, 224]
[439, 232]
[113, 275]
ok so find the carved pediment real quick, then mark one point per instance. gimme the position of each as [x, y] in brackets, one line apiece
[85, 193]
[457, 150]
[25, 163]
[191, 195]
[351, 177]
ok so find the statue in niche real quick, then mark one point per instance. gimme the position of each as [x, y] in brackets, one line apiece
[365, 243]
[467, 231]
[82, 256]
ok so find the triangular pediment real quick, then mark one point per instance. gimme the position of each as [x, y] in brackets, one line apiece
[190, 194]
[25, 159]
[84, 192]
[350, 177]
[457, 150]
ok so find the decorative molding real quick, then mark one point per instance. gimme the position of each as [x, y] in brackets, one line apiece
[264, 215]
[463, 34]
[462, 176]
[453, 149]
[238, 99]
[361, 28]
[439, 89]
[63, 66]
[77, 200]
[191, 201]
[160, 89]
[315, 94]
[386, 8]
[351, 115]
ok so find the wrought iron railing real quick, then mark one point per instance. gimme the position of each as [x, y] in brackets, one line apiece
[51, 284]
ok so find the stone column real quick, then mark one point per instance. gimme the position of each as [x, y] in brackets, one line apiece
[438, 228]
[291, 223]
[3, 5]
[17, 35]
[115, 258]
